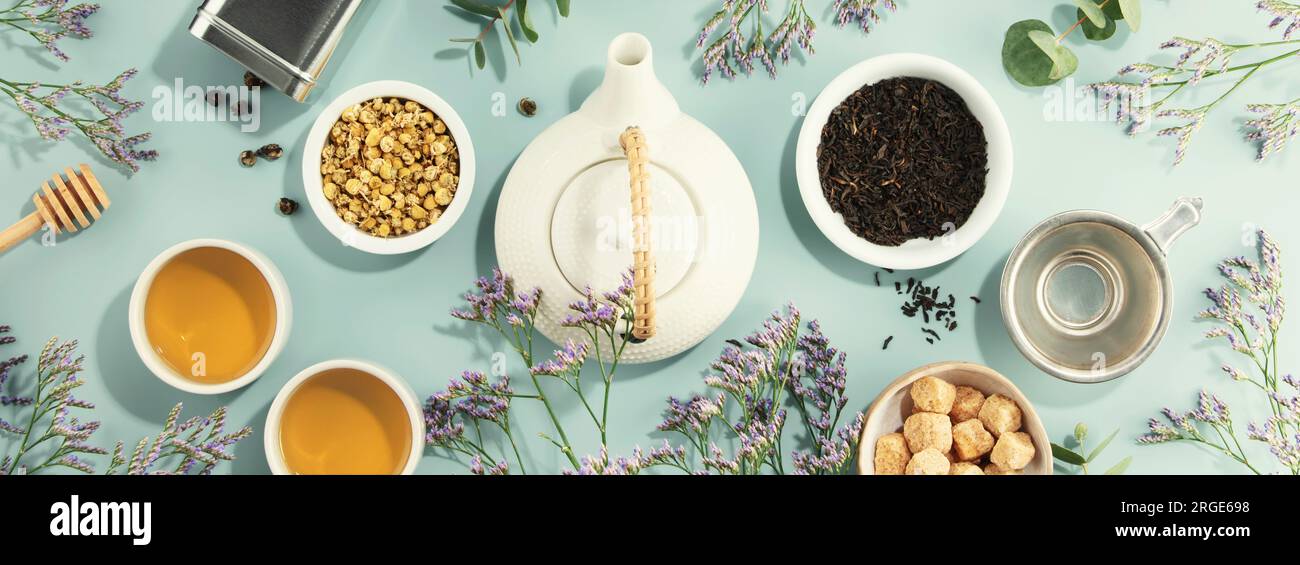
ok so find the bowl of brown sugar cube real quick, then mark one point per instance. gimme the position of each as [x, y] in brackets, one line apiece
[388, 167]
[953, 418]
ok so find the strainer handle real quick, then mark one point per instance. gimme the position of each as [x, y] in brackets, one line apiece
[643, 261]
[1182, 216]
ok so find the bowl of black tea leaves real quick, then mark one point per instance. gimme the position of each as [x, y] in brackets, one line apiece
[904, 161]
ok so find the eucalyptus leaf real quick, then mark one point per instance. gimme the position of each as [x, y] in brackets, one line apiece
[1067, 456]
[1097, 450]
[1098, 33]
[1064, 62]
[510, 35]
[480, 56]
[1022, 58]
[1120, 467]
[563, 5]
[1094, 14]
[476, 7]
[525, 21]
[1111, 9]
[463, 39]
[1132, 10]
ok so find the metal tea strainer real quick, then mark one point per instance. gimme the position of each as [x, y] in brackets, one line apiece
[1086, 295]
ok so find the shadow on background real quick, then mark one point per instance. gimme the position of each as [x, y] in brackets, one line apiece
[1001, 354]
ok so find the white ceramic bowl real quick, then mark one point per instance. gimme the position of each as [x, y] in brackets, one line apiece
[155, 363]
[311, 178]
[271, 433]
[916, 253]
[894, 405]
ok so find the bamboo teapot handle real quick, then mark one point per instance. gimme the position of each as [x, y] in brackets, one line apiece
[643, 262]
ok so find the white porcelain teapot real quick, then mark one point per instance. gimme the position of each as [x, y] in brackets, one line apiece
[565, 222]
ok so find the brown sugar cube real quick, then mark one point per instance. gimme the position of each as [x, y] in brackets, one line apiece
[1014, 450]
[928, 462]
[967, 404]
[992, 469]
[970, 440]
[892, 454]
[1000, 415]
[930, 394]
[925, 430]
[963, 468]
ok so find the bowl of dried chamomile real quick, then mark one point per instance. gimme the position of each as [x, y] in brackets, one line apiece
[388, 167]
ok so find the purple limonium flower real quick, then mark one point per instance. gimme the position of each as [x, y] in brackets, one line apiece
[864, 12]
[50, 21]
[1195, 118]
[567, 360]
[1277, 125]
[1282, 12]
[727, 47]
[1211, 410]
[496, 296]
[760, 435]
[591, 311]
[476, 467]
[692, 416]
[43, 105]
[473, 396]
[640, 460]
[624, 293]
[440, 425]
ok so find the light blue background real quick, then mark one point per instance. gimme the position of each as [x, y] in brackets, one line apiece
[393, 309]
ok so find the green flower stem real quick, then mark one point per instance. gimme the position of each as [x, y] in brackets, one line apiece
[1265, 44]
[39, 410]
[1253, 66]
[526, 352]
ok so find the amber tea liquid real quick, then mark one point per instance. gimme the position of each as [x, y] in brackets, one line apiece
[345, 422]
[210, 315]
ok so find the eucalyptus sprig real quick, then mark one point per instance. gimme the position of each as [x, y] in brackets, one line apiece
[513, 13]
[1076, 457]
[1034, 55]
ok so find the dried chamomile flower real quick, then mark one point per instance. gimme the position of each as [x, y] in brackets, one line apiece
[389, 167]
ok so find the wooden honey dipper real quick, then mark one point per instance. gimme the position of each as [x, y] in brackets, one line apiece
[79, 196]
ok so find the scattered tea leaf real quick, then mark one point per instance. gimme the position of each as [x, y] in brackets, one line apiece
[1097, 450]
[1067, 456]
[1132, 10]
[1022, 58]
[480, 56]
[1120, 467]
[1093, 13]
[563, 6]
[476, 7]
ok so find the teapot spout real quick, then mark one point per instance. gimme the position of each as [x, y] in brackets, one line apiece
[631, 94]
